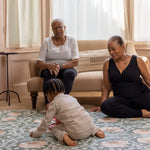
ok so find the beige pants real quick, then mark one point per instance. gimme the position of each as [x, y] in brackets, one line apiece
[59, 131]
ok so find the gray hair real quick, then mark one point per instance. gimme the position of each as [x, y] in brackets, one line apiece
[57, 20]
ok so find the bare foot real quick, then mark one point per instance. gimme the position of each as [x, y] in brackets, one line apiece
[100, 134]
[69, 141]
[145, 113]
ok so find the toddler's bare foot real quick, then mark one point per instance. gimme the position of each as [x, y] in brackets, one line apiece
[145, 113]
[100, 134]
[69, 141]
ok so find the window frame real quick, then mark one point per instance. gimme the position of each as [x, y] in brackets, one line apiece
[46, 16]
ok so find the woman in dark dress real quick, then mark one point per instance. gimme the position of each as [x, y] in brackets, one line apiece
[127, 75]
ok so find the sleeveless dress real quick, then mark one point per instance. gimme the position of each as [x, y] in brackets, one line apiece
[129, 83]
[130, 93]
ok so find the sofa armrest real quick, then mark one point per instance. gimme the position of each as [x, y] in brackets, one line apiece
[35, 84]
[33, 68]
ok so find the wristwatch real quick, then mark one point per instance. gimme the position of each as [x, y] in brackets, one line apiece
[61, 67]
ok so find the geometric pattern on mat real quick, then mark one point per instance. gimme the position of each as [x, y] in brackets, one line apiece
[130, 133]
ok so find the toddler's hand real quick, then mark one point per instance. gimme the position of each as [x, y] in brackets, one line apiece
[36, 134]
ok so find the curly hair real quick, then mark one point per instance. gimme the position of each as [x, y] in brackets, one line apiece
[54, 86]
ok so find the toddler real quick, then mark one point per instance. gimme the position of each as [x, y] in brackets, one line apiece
[75, 122]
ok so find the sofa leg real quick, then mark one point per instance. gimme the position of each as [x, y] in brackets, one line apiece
[34, 98]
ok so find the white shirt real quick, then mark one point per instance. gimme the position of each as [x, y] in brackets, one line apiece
[51, 53]
[71, 114]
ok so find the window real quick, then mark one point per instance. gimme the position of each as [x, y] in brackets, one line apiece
[28, 21]
[142, 20]
[90, 19]
[23, 23]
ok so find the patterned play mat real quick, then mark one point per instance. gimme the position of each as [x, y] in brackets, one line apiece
[15, 127]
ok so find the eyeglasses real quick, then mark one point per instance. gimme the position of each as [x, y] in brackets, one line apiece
[59, 27]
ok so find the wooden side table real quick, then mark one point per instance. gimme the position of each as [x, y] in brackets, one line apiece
[8, 91]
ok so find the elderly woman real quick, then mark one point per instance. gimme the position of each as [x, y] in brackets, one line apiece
[122, 73]
[58, 56]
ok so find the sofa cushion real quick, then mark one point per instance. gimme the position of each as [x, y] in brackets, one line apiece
[92, 60]
[88, 81]
[85, 45]
[91, 81]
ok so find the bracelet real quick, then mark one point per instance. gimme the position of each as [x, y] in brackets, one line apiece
[61, 67]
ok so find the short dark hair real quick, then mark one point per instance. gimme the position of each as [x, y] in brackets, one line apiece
[54, 86]
[116, 38]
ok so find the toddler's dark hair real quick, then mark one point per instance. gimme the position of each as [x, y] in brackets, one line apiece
[116, 38]
[54, 86]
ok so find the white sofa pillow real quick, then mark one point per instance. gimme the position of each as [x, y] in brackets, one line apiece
[130, 49]
[92, 60]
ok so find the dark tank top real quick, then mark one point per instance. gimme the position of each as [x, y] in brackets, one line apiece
[127, 84]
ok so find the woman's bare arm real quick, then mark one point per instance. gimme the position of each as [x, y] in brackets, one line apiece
[106, 83]
[144, 70]
[70, 64]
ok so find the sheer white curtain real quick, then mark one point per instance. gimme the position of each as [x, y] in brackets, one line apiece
[142, 20]
[91, 19]
[23, 23]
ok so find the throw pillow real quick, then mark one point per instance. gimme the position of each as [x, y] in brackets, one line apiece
[92, 60]
[130, 49]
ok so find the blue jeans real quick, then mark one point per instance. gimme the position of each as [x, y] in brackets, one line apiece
[66, 75]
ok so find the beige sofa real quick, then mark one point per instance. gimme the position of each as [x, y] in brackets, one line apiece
[90, 75]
